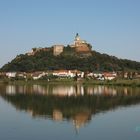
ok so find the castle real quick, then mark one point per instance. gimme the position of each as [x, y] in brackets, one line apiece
[80, 46]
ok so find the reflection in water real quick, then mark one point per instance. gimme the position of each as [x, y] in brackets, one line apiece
[76, 103]
[10, 89]
[68, 90]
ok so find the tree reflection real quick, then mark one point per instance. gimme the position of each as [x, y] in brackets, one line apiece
[76, 108]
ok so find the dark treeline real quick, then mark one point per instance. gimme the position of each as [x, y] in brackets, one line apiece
[69, 60]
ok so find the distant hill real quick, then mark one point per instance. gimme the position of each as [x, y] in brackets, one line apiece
[69, 59]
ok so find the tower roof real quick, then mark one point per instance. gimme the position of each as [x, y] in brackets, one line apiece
[77, 37]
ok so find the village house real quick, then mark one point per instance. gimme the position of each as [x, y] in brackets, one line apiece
[21, 75]
[68, 73]
[105, 75]
[11, 74]
[38, 75]
[109, 75]
[63, 73]
[98, 76]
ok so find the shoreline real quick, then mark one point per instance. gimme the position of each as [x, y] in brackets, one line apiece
[117, 82]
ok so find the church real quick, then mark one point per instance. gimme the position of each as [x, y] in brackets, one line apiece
[80, 45]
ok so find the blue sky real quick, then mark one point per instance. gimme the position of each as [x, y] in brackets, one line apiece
[111, 26]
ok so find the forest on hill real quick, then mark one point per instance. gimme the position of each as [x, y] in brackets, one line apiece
[69, 60]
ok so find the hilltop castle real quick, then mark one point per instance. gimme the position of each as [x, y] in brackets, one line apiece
[80, 46]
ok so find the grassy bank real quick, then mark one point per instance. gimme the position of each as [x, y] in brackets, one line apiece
[40, 82]
[118, 82]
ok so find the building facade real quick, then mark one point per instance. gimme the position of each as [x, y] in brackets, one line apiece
[57, 49]
[80, 45]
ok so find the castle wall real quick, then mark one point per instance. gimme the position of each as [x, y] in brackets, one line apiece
[57, 49]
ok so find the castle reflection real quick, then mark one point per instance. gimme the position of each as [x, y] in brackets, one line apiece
[75, 103]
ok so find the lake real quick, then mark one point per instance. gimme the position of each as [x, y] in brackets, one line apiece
[69, 112]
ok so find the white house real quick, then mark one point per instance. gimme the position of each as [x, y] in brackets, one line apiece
[11, 74]
[68, 73]
[38, 75]
[63, 73]
[109, 75]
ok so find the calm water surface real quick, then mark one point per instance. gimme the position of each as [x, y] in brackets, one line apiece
[69, 112]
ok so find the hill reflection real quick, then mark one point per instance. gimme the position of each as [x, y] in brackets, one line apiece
[72, 103]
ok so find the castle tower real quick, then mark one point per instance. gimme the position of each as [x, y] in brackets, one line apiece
[81, 46]
[77, 37]
[77, 40]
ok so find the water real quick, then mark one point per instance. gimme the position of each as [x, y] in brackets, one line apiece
[69, 112]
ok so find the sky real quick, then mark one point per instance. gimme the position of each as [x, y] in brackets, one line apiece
[110, 26]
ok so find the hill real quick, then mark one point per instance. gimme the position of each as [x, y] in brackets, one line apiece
[69, 59]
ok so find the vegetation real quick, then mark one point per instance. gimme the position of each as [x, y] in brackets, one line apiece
[116, 82]
[71, 81]
[45, 105]
[69, 59]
